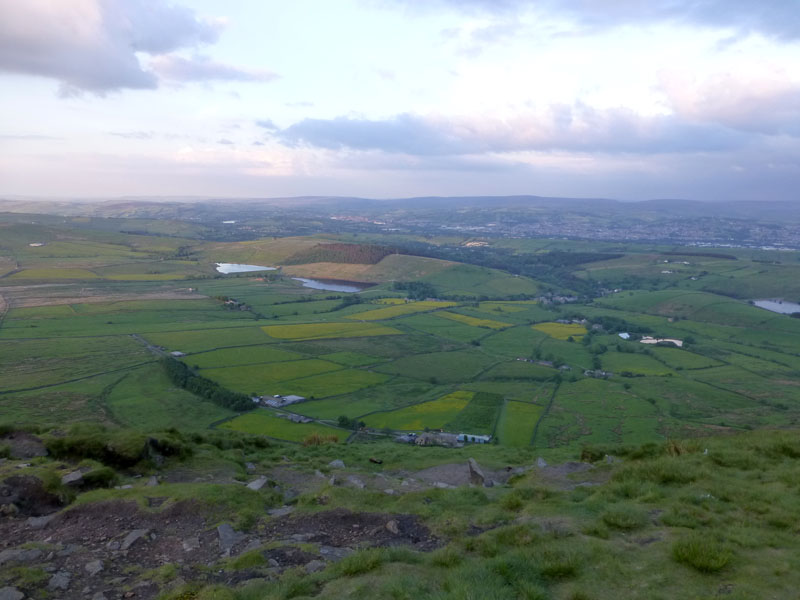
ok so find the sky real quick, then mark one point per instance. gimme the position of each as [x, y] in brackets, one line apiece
[626, 99]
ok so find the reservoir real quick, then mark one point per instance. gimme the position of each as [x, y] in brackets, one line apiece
[332, 285]
[778, 306]
[227, 268]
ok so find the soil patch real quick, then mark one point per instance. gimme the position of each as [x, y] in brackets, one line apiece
[341, 527]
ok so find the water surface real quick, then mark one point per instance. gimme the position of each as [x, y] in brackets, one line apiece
[778, 306]
[237, 268]
[331, 285]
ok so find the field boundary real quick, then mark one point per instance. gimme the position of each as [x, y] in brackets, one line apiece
[544, 414]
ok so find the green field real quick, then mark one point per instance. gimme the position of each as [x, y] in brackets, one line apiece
[321, 331]
[517, 422]
[441, 367]
[208, 339]
[261, 379]
[345, 381]
[520, 370]
[473, 321]
[434, 414]
[261, 422]
[399, 310]
[242, 355]
[637, 364]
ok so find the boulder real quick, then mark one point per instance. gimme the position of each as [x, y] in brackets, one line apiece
[257, 484]
[476, 476]
[93, 567]
[132, 537]
[11, 593]
[336, 464]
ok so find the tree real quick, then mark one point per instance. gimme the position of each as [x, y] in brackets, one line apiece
[343, 421]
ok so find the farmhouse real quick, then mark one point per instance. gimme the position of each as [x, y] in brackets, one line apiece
[177, 353]
[625, 335]
[473, 438]
[651, 340]
[278, 401]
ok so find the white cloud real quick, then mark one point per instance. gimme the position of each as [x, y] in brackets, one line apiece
[96, 45]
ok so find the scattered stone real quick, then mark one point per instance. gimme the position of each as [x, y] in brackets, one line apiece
[127, 486]
[228, 538]
[332, 480]
[152, 482]
[301, 537]
[11, 593]
[94, 567]
[319, 474]
[356, 482]
[250, 466]
[191, 544]
[610, 459]
[253, 544]
[99, 596]
[257, 484]
[404, 483]
[60, 581]
[336, 464]
[131, 538]
[67, 550]
[39, 522]
[113, 545]
[389, 491]
[441, 484]
[280, 512]
[393, 527]
[14, 555]
[75, 478]
[541, 463]
[273, 563]
[476, 476]
[314, 566]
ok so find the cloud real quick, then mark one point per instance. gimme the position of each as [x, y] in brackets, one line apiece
[28, 137]
[558, 128]
[766, 103]
[202, 68]
[95, 45]
[779, 19]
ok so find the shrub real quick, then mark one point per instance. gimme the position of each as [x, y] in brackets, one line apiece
[316, 439]
[625, 516]
[702, 553]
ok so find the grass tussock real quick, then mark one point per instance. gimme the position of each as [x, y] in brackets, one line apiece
[702, 553]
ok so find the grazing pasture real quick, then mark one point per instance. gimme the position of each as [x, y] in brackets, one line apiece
[399, 310]
[321, 331]
[473, 321]
[517, 422]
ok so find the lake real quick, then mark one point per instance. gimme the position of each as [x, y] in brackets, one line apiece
[227, 268]
[332, 285]
[778, 306]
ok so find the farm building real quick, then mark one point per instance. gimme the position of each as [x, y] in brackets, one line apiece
[177, 353]
[473, 438]
[281, 401]
[625, 336]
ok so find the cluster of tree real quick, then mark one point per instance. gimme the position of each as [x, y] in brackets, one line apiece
[182, 376]
[346, 422]
[361, 254]
[416, 290]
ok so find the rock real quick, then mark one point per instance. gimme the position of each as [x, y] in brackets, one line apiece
[273, 563]
[228, 538]
[314, 566]
[319, 474]
[113, 545]
[610, 459]
[389, 491]
[393, 527]
[75, 478]
[59, 581]
[39, 522]
[333, 554]
[11, 593]
[541, 463]
[257, 484]
[93, 567]
[404, 483]
[332, 480]
[301, 537]
[336, 464]
[250, 466]
[191, 544]
[280, 512]
[21, 555]
[253, 544]
[131, 538]
[99, 596]
[152, 482]
[356, 482]
[476, 476]
[127, 486]
[441, 485]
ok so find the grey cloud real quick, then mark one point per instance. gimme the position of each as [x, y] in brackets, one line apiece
[133, 135]
[561, 128]
[202, 68]
[225, 142]
[95, 45]
[267, 124]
